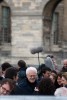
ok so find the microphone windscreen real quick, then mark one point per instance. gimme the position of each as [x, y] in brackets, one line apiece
[39, 49]
[33, 51]
[36, 50]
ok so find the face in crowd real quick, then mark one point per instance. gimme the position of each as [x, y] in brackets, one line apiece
[5, 89]
[65, 63]
[46, 74]
[59, 80]
[6, 86]
[31, 75]
[64, 79]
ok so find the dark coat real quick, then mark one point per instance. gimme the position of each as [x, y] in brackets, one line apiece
[1, 78]
[25, 88]
[66, 86]
[21, 74]
[64, 69]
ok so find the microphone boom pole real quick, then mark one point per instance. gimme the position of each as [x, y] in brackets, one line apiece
[38, 59]
[37, 50]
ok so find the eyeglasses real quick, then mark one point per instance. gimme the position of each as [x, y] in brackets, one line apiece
[4, 89]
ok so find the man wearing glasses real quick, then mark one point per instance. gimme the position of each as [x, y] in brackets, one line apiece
[6, 86]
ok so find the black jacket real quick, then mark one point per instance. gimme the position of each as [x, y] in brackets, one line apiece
[21, 74]
[25, 88]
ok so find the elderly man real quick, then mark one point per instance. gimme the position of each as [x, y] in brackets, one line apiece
[64, 68]
[28, 84]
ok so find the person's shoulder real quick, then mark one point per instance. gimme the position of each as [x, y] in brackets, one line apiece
[23, 83]
[62, 91]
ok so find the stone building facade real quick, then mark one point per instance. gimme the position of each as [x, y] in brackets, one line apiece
[33, 24]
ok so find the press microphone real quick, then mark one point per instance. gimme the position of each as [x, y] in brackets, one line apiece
[36, 50]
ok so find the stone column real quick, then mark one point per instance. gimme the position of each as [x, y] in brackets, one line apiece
[64, 46]
[65, 22]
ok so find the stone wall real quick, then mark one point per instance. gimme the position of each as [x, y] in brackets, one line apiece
[26, 29]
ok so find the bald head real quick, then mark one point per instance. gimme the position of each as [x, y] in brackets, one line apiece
[65, 62]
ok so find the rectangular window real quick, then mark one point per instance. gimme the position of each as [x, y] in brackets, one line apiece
[55, 26]
[5, 25]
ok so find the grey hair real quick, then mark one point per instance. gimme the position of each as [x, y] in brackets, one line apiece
[31, 69]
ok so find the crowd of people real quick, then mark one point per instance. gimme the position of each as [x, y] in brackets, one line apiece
[45, 80]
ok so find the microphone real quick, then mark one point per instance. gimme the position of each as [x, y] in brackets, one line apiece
[36, 50]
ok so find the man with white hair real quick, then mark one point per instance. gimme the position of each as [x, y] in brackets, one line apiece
[29, 83]
[31, 74]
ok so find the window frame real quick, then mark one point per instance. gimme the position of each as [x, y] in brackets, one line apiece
[56, 28]
[2, 37]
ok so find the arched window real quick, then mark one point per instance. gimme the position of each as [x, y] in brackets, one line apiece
[5, 23]
[51, 30]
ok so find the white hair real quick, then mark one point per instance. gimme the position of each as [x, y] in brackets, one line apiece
[31, 69]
